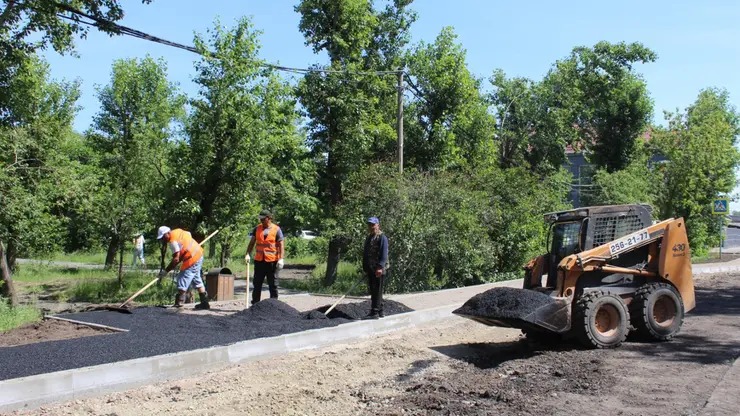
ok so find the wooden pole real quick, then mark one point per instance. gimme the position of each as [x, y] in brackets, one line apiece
[400, 122]
[246, 294]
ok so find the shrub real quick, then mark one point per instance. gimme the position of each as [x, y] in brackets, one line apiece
[450, 229]
[318, 247]
[296, 247]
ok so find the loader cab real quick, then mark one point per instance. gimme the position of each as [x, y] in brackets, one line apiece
[571, 232]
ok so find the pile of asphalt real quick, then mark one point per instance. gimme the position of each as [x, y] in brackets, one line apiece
[504, 302]
[156, 331]
[358, 310]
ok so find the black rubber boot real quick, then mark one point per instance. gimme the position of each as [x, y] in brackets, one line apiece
[179, 300]
[203, 301]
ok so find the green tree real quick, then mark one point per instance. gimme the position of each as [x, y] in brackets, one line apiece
[532, 123]
[36, 176]
[448, 123]
[638, 183]
[129, 137]
[244, 150]
[351, 121]
[700, 146]
[28, 26]
[607, 99]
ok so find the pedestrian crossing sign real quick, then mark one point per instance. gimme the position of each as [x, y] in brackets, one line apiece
[720, 206]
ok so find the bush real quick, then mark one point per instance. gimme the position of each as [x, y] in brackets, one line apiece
[318, 247]
[296, 247]
[450, 229]
[347, 276]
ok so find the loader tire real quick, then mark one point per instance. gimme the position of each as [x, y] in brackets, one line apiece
[600, 320]
[657, 312]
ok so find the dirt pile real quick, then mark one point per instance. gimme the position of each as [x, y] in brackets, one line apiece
[357, 310]
[47, 330]
[514, 381]
[504, 302]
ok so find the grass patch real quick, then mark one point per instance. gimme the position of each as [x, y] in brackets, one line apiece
[108, 290]
[41, 273]
[14, 317]
[347, 275]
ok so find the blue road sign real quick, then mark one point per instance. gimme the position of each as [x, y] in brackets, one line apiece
[720, 206]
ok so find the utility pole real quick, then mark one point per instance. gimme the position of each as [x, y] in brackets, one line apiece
[400, 121]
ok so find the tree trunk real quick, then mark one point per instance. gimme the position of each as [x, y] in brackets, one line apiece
[120, 263]
[11, 254]
[332, 262]
[110, 256]
[6, 279]
[212, 251]
[335, 244]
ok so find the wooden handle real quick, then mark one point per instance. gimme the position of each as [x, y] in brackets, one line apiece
[246, 294]
[139, 292]
[90, 324]
[343, 296]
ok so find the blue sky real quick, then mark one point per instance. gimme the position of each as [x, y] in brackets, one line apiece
[698, 43]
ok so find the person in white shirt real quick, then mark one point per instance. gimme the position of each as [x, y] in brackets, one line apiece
[138, 250]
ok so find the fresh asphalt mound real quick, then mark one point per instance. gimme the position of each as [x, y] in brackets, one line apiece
[504, 302]
[156, 331]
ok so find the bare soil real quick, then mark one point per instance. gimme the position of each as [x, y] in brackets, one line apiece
[47, 330]
[457, 366]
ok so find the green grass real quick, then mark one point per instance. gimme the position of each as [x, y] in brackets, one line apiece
[107, 290]
[347, 275]
[14, 317]
[40, 273]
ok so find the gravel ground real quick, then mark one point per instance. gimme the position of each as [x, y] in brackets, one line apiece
[460, 367]
[156, 331]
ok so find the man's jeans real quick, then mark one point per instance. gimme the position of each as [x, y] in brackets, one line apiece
[190, 275]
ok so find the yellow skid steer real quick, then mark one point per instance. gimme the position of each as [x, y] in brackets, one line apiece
[608, 271]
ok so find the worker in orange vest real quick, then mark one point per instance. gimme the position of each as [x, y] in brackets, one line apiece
[268, 258]
[186, 250]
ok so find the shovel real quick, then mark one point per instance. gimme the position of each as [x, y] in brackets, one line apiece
[123, 308]
[343, 296]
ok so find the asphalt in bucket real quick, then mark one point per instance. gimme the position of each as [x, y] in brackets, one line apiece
[157, 331]
[504, 302]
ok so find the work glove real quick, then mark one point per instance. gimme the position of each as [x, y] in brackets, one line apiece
[247, 258]
[162, 274]
[280, 264]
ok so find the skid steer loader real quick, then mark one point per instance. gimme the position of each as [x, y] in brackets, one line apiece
[608, 270]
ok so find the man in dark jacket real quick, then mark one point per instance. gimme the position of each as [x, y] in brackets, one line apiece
[375, 265]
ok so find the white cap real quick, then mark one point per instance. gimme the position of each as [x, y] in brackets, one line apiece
[162, 231]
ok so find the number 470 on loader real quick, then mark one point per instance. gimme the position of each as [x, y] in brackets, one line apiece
[608, 270]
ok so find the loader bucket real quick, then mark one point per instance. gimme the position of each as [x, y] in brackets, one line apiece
[518, 308]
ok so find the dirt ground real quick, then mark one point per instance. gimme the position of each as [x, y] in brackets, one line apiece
[460, 367]
[46, 330]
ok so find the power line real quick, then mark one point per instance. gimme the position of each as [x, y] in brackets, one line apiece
[101, 23]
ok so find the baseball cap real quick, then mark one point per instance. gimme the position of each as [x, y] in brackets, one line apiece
[162, 231]
[373, 220]
[265, 213]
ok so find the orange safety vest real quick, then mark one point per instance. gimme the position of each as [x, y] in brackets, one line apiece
[190, 250]
[266, 247]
